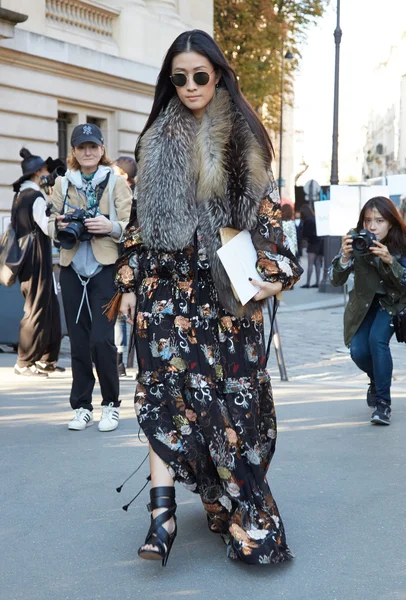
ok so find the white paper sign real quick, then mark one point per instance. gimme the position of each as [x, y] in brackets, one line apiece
[322, 214]
[344, 209]
[239, 259]
[371, 191]
[341, 213]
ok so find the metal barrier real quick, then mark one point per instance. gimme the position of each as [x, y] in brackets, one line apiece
[276, 338]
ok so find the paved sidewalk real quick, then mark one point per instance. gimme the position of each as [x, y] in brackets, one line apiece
[313, 346]
[300, 299]
[340, 484]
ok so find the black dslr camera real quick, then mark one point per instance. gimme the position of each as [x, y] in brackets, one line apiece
[48, 181]
[362, 242]
[56, 168]
[76, 230]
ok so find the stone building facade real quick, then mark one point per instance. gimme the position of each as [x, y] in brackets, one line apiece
[385, 144]
[75, 61]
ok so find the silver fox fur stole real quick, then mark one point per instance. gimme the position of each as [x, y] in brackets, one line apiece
[209, 176]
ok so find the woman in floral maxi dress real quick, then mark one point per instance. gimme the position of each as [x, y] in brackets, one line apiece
[203, 396]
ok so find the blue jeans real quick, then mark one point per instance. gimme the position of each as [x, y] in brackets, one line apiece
[370, 349]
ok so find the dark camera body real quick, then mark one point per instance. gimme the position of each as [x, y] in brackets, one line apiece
[362, 242]
[48, 181]
[76, 230]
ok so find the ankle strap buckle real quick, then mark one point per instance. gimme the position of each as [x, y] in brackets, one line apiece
[149, 507]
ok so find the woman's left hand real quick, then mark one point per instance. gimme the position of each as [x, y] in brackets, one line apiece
[99, 225]
[382, 252]
[266, 289]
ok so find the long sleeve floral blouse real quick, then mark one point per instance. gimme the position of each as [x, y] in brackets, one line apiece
[275, 261]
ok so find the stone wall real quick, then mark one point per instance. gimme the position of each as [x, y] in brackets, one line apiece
[81, 61]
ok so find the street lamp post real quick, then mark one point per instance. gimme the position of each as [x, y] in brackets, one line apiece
[334, 157]
[332, 243]
[288, 56]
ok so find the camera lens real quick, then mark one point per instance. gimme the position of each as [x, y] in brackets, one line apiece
[70, 235]
[359, 244]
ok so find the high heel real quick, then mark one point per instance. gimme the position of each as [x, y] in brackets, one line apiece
[161, 497]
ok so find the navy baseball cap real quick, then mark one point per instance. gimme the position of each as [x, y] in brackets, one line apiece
[88, 132]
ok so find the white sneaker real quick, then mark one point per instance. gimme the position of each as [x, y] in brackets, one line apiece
[82, 419]
[109, 418]
[31, 371]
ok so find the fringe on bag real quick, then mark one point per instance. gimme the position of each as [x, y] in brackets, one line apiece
[111, 310]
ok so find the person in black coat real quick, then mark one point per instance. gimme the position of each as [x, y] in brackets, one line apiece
[315, 246]
[40, 328]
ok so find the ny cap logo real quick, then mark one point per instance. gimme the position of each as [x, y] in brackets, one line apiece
[87, 130]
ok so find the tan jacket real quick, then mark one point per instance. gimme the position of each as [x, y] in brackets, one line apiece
[105, 248]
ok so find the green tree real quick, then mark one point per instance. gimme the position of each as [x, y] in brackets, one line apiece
[254, 35]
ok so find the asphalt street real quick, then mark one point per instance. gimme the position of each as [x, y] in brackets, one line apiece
[340, 484]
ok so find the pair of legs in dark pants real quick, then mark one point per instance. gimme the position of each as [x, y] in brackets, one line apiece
[91, 338]
[370, 349]
[314, 260]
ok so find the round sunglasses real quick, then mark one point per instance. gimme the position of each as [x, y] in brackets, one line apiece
[200, 78]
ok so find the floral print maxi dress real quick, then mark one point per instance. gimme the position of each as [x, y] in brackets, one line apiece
[203, 396]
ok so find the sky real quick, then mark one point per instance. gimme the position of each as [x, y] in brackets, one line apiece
[370, 28]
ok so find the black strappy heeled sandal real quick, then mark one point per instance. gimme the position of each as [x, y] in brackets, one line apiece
[161, 497]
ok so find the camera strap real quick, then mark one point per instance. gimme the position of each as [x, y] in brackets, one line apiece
[99, 191]
[65, 192]
[101, 187]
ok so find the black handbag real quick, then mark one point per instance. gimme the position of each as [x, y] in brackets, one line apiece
[399, 322]
[13, 253]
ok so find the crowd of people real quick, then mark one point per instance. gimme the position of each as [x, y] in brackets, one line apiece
[139, 247]
[88, 244]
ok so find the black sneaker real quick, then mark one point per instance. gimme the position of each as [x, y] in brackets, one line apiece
[371, 395]
[381, 414]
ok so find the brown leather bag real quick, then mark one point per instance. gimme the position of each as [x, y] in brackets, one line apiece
[13, 253]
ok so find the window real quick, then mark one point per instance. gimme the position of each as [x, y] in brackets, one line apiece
[70, 115]
[64, 120]
[101, 123]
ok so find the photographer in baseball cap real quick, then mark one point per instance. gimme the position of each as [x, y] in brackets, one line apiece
[90, 210]
[86, 133]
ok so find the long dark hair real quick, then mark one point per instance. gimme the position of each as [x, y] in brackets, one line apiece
[202, 43]
[396, 238]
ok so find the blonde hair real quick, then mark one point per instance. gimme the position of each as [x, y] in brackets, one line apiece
[74, 165]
